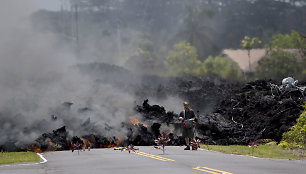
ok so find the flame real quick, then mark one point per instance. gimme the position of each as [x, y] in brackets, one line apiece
[70, 147]
[34, 149]
[106, 146]
[110, 146]
[38, 149]
[84, 142]
[111, 141]
[90, 143]
[136, 122]
[49, 141]
[118, 141]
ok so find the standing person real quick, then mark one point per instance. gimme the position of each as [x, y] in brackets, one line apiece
[188, 119]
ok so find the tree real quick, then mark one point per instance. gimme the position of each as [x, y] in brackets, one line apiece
[197, 30]
[183, 60]
[248, 44]
[293, 40]
[296, 136]
[223, 67]
[277, 65]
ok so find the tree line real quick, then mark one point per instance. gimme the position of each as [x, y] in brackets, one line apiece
[153, 34]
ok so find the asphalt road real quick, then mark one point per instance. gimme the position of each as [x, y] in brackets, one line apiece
[151, 161]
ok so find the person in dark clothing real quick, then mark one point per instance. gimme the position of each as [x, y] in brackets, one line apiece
[188, 119]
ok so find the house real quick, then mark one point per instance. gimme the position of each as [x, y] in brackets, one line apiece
[241, 57]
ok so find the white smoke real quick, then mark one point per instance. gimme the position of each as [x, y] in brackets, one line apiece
[37, 76]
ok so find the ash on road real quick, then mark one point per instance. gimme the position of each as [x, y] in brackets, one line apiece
[149, 160]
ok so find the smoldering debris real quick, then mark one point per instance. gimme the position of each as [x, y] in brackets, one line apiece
[262, 114]
[247, 113]
[229, 113]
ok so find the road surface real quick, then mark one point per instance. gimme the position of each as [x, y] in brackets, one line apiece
[152, 161]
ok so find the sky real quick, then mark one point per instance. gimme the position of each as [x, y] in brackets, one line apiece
[53, 5]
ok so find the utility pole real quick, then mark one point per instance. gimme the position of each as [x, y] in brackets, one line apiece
[76, 8]
[119, 40]
[76, 27]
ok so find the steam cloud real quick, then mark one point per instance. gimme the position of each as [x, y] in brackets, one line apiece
[37, 76]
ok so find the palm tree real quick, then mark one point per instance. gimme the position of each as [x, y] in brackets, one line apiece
[248, 44]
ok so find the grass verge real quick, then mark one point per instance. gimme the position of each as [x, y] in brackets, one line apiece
[18, 157]
[270, 150]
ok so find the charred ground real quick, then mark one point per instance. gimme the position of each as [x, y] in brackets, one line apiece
[227, 112]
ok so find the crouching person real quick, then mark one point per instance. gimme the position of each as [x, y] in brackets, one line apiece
[188, 123]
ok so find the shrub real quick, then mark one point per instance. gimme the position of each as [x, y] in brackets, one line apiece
[296, 136]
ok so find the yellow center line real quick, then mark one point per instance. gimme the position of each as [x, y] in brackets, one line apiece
[210, 170]
[153, 156]
[142, 153]
[205, 170]
[223, 172]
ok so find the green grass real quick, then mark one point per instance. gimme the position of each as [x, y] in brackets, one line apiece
[17, 157]
[270, 150]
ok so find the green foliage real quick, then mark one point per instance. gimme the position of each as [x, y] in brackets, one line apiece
[277, 65]
[292, 145]
[17, 157]
[296, 136]
[249, 43]
[269, 150]
[293, 40]
[286, 64]
[183, 60]
[223, 67]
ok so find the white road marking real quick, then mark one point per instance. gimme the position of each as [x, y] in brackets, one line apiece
[43, 158]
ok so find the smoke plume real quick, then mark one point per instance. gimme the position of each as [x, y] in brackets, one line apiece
[42, 88]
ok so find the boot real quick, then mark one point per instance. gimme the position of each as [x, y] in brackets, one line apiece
[187, 148]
